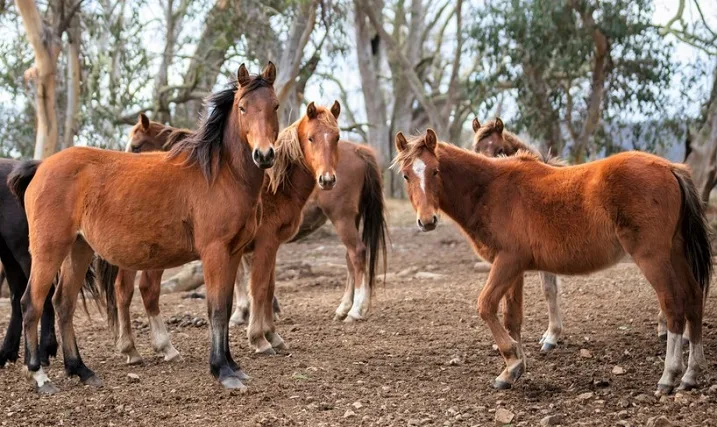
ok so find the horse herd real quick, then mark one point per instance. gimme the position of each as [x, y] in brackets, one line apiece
[231, 192]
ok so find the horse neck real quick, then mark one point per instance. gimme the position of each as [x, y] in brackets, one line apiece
[300, 183]
[239, 157]
[465, 179]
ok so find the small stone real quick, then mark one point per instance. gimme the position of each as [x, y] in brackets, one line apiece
[503, 416]
[618, 370]
[585, 353]
[357, 405]
[349, 413]
[713, 389]
[407, 271]
[681, 398]
[414, 422]
[622, 423]
[455, 361]
[623, 415]
[551, 420]
[643, 398]
[585, 396]
[133, 378]
[312, 406]
[428, 276]
[623, 403]
[660, 421]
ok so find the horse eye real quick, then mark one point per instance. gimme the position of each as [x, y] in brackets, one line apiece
[311, 139]
[405, 177]
[276, 108]
[242, 110]
[435, 172]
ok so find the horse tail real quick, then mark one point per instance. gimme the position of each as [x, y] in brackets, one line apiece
[20, 178]
[372, 212]
[90, 288]
[106, 276]
[695, 231]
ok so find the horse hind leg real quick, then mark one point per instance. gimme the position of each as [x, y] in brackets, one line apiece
[17, 282]
[513, 320]
[149, 286]
[48, 339]
[362, 291]
[551, 336]
[348, 296]
[72, 277]
[240, 315]
[662, 329]
[124, 290]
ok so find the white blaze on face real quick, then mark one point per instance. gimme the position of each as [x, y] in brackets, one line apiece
[419, 168]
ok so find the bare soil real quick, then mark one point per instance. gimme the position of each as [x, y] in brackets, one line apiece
[423, 358]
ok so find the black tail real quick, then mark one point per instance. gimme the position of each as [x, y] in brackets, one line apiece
[90, 287]
[106, 275]
[373, 215]
[695, 231]
[20, 178]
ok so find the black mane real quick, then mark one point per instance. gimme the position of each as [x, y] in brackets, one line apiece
[206, 147]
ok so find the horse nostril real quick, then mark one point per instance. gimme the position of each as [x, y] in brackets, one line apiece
[255, 155]
[420, 224]
[270, 154]
[435, 219]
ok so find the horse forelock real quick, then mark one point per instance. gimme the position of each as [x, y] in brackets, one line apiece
[416, 145]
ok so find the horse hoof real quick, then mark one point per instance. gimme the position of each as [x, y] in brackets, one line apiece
[281, 347]
[684, 386]
[45, 362]
[547, 347]
[242, 375]
[266, 352]
[685, 342]
[339, 317]
[501, 385]
[662, 337]
[233, 383]
[237, 319]
[93, 381]
[663, 390]
[171, 354]
[47, 388]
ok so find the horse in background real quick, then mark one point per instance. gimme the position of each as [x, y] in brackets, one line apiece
[203, 198]
[522, 214]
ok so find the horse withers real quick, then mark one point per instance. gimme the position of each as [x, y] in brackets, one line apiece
[203, 197]
[585, 218]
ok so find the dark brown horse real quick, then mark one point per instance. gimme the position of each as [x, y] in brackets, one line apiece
[524, 215]
[203, 200]
[306, 154]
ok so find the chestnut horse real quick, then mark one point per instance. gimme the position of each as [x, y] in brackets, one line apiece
[203, 199]
[522, 214]
[306, 154]
[354, 202]
[493, 140]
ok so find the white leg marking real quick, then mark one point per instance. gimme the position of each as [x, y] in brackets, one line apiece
[555, 323]
[241, 298]
[695, 364]
[160, 338]
[362, 296]
[673, 359]
[347, 297]
[419, 168]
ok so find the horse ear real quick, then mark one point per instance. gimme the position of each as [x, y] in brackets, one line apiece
[431, 140]
[476, 125]
[498, 125]
[336, 109]
[243, 76]
[143, 120]
[401, 143]
[311, 112]
[269, 73]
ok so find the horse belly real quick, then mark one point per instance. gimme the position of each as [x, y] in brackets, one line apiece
[580, 257]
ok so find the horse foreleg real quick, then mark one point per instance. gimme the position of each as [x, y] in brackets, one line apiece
[72, 278]
[241, 296]
[150, 283]
[220, 269]
[513, 314]
[550, 338]
[124, 290]
[504, 275]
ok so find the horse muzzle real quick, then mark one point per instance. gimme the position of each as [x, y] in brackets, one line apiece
[427, 224]
[327, 181]
[264, 159]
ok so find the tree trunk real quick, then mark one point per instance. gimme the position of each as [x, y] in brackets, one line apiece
[702, 159]
[369, 51]
[73, 83]
[46, 48]
[173, 21]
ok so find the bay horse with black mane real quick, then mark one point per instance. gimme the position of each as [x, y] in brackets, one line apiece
[306, 155]
[204, 201]
[492, 140]
[522, 214]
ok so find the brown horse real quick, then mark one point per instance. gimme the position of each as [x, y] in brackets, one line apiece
[306, 154]
[352, 203]
[522, 214]
[493, 140]
[203, 203]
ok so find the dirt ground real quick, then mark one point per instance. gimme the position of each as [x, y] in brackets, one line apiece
[423, 358]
